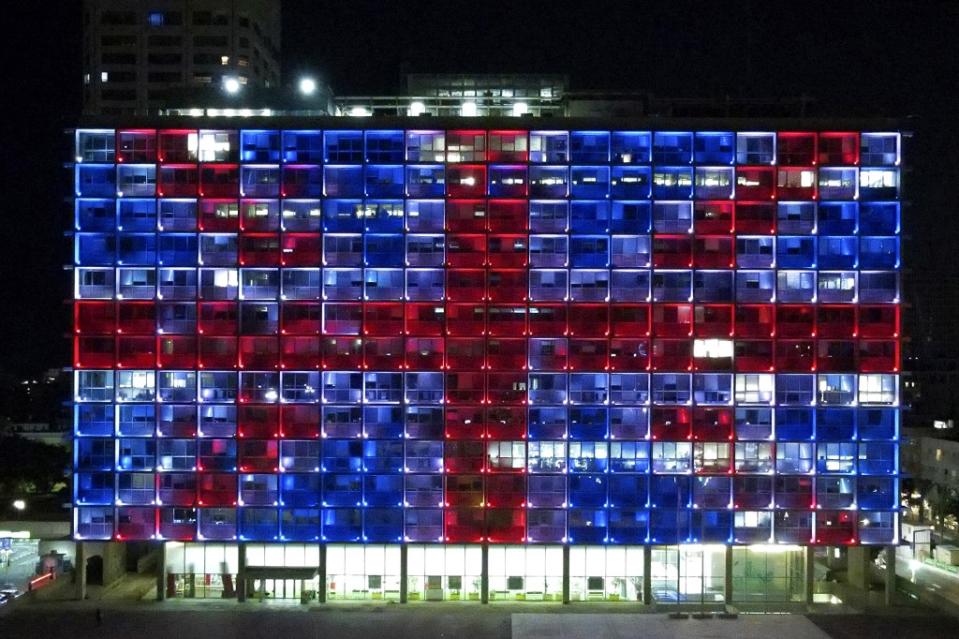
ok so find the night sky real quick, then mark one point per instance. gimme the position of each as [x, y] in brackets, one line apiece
[875, 57]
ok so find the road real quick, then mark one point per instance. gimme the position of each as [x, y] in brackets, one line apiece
[22, 563]
[941, 582]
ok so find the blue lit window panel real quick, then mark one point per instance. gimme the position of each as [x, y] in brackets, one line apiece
[588, 336]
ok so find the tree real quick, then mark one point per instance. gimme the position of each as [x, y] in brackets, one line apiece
[30, 467]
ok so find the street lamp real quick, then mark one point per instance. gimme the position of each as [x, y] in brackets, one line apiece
[19, 505]
[307, 86]
[231, 85]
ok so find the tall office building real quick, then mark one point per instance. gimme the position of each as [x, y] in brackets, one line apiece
[134, 52]
[481, 358]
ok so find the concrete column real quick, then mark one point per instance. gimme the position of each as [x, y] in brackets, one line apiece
[404, 571]
[484, 577]
[241, 572]
[890, 574]
[161, 571]
[80, 571]
[648, 575]
[857, 567]
[728, 576]
[809, 574]
[321, 595]
[566, 574]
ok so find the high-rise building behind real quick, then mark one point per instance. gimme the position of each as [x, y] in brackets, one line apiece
[135, 52]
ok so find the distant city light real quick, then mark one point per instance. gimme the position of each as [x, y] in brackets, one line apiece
[307, 86]
[231, 85]
[19, 504]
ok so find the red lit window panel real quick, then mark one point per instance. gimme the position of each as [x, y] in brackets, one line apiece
[796, 183]
[466, 251]
[754, 355]
[464, 490]
[217, 318]
[136, 318]
[714, 217]
[465, 388]
[465, 319]
[97, 318]
[177, 145]
[836, 321]
[796, 320]
[136, 352]
[508, 216]
[836, 356]
[672, 355]
[344, 352]
[177, 180]
[714, 252]
[258, 455]
[464, 422]
[506, 353]
[712, 424]
[300, 352]
[796, 149]
[589, 320]
[301, 249]
[508, 285]
[216, 489]
[754, 183]
[300, 318]
[838, 148]
[465, 456]
[506, 525]
[879, 321]
[219, 216]
[217, 352]
[465, 524]
[794, 355]
[672, 251]
[506, 388]
[466, 216]
[588, 354]
[385, 353]
[425, 319]
[260, 352]
[548, 320]
[260, 250]
[425, 353]
[219, 180]
[506, 320]
[383, 319]
[629, 320]
[670, 423]
[507, 251]
[258, 421]
[466, 180]
[713, 320]
[628, 355]
[672, 320]
[878, 356]
[755, 217]
[98, 351]
[755, 320]
[300, 421]
[506, 491]
[176, 351]
[506, 422]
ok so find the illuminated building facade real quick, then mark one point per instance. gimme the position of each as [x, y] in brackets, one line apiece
[458, 337]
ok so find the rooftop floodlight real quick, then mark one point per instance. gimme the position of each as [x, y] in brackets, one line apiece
[520, 108]
[468, 109]
[359, 111]
[307, 86]
[231, 85]
[417, 108]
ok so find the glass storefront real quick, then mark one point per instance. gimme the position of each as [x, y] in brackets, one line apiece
[606, 573]
[526, 573]
[203, 571]
[363, 572]
[768, 573]
[688, 574]
[444, 573]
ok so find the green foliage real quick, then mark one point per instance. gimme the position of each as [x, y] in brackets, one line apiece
[30, 467]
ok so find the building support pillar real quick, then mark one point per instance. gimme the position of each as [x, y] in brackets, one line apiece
[565, 573]
[728, 576]
[647, 575]
[241, 572]
[809, 574]
[890, 574]
[321, 594]
[80, 571]
[161, 571]
[404, 571]
[484, 576]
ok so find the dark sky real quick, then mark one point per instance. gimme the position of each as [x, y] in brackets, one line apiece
[875, 57]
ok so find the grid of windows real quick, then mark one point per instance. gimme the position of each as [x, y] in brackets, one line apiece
[505, 336]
